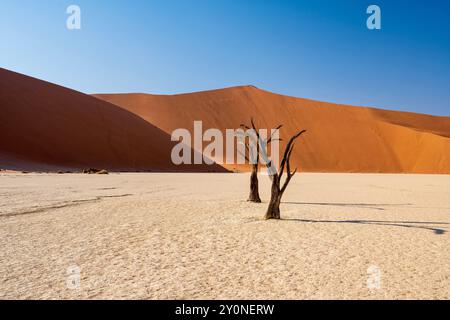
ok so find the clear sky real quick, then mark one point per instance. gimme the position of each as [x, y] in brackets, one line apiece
[319, 49]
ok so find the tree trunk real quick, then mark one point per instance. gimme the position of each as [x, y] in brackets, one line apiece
[254, 190]
[273, 211]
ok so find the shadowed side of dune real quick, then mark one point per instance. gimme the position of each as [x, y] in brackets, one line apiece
[48, 127]
[339, 138]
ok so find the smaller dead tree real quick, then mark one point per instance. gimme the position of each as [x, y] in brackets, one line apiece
[255, 142]
[277, 190]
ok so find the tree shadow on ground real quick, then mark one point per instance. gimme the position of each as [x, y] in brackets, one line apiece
[405, 224]
[376, 206]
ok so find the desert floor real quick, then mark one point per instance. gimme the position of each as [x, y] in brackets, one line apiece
[189, 236]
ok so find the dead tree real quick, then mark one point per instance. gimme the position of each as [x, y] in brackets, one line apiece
[254, 155]
[273, 211]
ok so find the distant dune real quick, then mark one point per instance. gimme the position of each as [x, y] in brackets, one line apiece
[339, 139]
[47, 127]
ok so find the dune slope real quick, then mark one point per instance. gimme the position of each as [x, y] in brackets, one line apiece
[47, 127]
[339, 139]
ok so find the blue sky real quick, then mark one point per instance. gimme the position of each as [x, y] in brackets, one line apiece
[317, 49]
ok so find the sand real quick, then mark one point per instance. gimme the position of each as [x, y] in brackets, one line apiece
[339, 138]
[192, 236]
[47, 127]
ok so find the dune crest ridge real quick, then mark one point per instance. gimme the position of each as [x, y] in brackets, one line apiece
[48, 127]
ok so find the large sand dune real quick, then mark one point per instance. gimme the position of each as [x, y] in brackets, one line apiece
[340, 138]
[47, 127]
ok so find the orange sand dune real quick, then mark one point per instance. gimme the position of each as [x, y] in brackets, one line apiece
[339, 139]
[47, 127]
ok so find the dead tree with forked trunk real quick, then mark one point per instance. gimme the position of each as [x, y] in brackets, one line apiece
[273, 211]
[255, 141]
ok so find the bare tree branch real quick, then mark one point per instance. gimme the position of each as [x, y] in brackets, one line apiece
[273, 211]
[271, 135]
[288, 150]
[288, 170]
